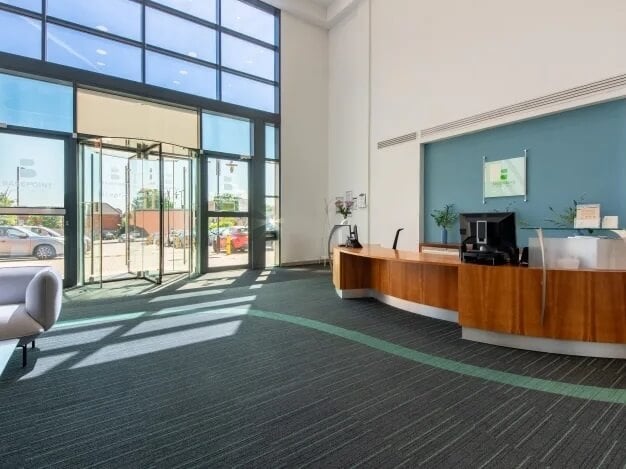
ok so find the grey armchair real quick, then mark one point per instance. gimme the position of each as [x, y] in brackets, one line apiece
[30, 303]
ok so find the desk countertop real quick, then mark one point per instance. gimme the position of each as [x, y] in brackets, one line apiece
[378, 252]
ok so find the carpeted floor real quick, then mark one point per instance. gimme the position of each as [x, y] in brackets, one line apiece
[272, 369]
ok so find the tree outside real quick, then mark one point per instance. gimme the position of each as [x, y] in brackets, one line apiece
[6, 201]
[148, 199]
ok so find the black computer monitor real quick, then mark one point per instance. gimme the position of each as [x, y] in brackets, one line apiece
[490, 231]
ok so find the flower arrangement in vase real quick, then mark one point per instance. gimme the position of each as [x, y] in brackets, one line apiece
[344, 207]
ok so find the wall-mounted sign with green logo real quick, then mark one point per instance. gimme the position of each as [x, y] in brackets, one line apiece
[505, 178]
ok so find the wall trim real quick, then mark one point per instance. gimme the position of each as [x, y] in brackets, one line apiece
[309, 262]
[597, 92]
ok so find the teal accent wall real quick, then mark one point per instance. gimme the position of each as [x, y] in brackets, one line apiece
[573, 154]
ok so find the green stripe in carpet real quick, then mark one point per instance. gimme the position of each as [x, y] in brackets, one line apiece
[592, 393]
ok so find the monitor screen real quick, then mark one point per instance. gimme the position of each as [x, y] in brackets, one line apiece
[494, 230]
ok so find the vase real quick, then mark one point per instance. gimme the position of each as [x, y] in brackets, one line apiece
[444, 236]
[344, 221]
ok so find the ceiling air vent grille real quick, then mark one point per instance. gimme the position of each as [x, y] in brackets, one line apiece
[607, 84]
[397, 140]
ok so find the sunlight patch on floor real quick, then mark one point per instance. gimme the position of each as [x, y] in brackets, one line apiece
[207, 304]
[69, 339]
[159, 343]
[197, 318]
[45, 364]
[77, 323]
[180, 296]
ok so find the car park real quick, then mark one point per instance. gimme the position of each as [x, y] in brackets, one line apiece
[238, 236]
[17, 241]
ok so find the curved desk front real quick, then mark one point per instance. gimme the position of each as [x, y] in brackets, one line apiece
[585, 310]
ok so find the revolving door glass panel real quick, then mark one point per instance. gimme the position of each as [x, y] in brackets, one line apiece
[138, 207]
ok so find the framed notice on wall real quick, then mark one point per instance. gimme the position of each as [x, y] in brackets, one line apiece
[504, 178]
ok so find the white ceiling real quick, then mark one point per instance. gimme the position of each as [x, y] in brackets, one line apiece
[322, 13]
[324, 3]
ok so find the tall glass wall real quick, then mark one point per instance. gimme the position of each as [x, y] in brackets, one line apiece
[38, 116]
[226, 50]
[210, 70]
[32, 201]
[272, 196]
[227, 142]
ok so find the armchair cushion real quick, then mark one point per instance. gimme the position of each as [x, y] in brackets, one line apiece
[15, 323]
[14, 281]
[43, 297]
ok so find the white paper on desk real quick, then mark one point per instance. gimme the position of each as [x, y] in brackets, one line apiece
[610, 222]
[587, 216]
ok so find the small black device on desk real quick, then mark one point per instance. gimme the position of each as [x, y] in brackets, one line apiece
[488, 238]
[353, 239]
[476, 256]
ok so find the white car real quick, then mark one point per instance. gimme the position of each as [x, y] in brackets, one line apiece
[16, 241]
[45, 231]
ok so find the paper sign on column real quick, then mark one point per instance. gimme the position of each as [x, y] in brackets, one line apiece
[587, 216]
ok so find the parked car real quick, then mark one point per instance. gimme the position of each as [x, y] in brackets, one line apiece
[213, 234]
[133, 236]
[108, 235]
[45, 231]
[271, 232]
[16, 241]
[238, 238]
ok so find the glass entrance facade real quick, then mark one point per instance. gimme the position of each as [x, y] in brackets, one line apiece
[196, 86]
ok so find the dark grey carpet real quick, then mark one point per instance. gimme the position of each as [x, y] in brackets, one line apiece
[174, 389]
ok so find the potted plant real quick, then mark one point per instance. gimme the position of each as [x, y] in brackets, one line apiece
[445, 219]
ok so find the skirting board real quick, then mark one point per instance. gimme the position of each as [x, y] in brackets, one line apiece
[541, 344]
[299, 263]
[416, 308]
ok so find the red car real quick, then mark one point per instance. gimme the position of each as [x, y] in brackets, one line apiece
[238, 238]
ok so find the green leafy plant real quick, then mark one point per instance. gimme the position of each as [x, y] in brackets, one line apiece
[446, 217]
[565, 217]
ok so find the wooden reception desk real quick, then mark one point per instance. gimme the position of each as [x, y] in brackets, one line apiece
[583, 313]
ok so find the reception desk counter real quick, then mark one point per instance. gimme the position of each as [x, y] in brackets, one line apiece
[583, 312]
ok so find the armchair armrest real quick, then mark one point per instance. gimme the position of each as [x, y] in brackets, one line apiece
[14, 281]
[43, 297]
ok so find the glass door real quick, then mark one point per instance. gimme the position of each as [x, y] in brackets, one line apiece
[179, 214]
[139, 206]
[32, 202]
[228, 212]
[143, 215]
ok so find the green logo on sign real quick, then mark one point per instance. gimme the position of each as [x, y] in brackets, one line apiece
[504, 174]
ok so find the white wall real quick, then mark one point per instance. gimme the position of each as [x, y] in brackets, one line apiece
[304, 139]
[433, 62]
[348, 120]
